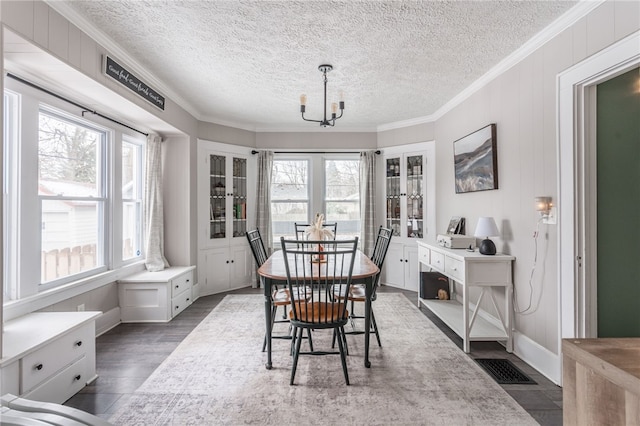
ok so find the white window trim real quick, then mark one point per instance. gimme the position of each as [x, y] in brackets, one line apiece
[114, 269]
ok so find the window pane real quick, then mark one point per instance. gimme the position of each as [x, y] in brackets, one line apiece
[131, 238]
[342, 196]
[131, 200]
[68, 155]
[283, 216]
[70, 237]
[290, 180]
[130, 171]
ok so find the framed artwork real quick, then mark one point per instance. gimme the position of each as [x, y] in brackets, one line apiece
[475, 160]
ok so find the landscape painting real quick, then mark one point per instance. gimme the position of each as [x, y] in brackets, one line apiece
[476, 162]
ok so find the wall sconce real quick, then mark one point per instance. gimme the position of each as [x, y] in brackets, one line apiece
[543, 205]
[547, 210]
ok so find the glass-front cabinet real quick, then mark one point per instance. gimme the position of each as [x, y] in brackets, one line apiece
[405, 200]
[227, 197]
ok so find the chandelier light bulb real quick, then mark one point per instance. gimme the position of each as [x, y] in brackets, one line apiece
[334, 108]
[303, 99]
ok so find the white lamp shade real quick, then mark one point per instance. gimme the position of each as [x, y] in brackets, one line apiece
[486, 227]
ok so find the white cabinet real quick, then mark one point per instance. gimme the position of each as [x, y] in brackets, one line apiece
[472, 270]
[224, 269]
[156, 296]
[401, 268]
[407, 180]
[405, 194]
[226, 191]
[49, 356]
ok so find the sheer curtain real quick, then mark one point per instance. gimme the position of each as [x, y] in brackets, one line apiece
[154, 221]
[367, 200]
[263, 198]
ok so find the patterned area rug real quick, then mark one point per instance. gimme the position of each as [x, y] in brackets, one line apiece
[217, 376]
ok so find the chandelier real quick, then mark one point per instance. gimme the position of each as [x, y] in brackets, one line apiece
[325, 68]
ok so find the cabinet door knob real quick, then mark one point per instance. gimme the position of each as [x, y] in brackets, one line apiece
[227, 261]
[177, 307]
[187, 299]
[78, 377]
[177, 286]
[39, 367]
[232, 261]
[79, 343]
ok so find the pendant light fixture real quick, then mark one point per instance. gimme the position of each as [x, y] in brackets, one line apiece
[324, 69]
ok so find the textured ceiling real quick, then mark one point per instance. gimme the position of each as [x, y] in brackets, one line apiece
[245, 63]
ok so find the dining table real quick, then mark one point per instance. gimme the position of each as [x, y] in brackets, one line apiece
[273, 272]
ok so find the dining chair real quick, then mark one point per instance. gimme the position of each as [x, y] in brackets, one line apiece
[280, 295]
[315, 273]
[300, 228]
[357, 291]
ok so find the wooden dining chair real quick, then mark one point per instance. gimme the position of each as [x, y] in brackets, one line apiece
[314, 276]
[357, 291]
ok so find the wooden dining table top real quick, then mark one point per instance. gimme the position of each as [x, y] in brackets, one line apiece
[274, 268]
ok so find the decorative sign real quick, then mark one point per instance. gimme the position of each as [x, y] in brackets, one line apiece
[127, 79]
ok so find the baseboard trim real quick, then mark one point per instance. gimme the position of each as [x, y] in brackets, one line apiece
[538, 357]
[107, 321]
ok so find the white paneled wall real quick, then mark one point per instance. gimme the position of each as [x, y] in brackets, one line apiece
[522, 101]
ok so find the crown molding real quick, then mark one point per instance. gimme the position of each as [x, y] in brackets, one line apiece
[583, 8]
[580, 10]
[113, 48]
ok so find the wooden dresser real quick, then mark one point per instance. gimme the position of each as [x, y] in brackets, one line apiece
[601, 381]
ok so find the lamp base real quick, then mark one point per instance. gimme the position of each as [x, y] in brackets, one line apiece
[487, 247]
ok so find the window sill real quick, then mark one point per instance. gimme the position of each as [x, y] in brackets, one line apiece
[17, 308]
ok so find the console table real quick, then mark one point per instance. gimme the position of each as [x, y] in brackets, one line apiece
[472, 269]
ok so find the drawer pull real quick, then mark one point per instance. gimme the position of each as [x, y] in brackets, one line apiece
[79, 343]
[39, 367]
[77, 378]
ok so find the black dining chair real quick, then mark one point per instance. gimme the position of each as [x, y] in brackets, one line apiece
[357, 291]
[315, 273]
[280, 296]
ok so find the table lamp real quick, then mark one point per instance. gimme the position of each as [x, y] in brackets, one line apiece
[486, 228]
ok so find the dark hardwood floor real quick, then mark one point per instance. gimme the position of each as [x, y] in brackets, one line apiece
[129, 353]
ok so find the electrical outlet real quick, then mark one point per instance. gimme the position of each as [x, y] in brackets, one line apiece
[81, 307]
[551, 218]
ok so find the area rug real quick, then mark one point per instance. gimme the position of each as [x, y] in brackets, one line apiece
[217, 376]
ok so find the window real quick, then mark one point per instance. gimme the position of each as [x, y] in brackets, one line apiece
[289, 196]
[9, 191]
[131, 199]
[72, 195]
[342, 195]
[304, 186]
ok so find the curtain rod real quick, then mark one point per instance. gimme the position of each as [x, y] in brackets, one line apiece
[85, 109]
[315, 152]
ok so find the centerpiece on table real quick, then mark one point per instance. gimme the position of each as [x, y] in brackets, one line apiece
[317, 232]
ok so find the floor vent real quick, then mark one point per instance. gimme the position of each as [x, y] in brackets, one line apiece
[504, 372]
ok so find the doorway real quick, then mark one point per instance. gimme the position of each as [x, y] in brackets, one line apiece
[577, 187]
[617, 238]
